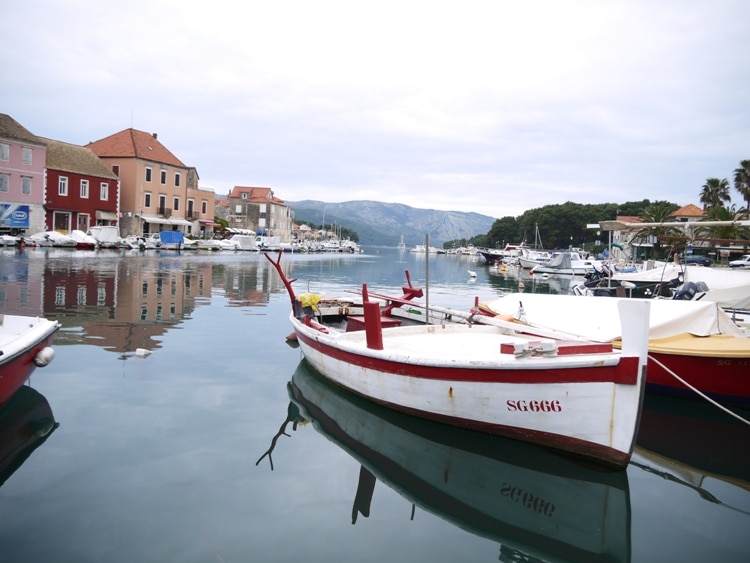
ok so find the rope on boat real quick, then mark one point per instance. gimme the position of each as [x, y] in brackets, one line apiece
[703, 395]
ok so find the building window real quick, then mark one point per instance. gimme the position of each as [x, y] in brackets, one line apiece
[176, 204]
[84, 189]
[147, 200]
[104, 191]
[244, 195]
[116, 169]
[204, 207]
[4, 151]
[148, 173]
[62, 186]
[163, 177]
[26, 185]
[27, 155]
[176, 179]
[4, 182]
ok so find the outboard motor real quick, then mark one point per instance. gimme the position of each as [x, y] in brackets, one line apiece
[686, 292]
[701, 286]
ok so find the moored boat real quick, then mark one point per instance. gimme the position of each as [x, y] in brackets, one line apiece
[84, 241]
[52, 238]
[566, 263]
[572, 395]
[25, 344]
[171, 240]
[695, 347]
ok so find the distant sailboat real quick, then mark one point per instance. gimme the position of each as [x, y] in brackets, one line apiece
[402, 244]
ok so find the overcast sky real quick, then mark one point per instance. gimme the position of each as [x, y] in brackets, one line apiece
[489, 106]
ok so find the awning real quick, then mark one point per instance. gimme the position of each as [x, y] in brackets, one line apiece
[208, 223]
[106, 215]
[155, 219]
[180, 222]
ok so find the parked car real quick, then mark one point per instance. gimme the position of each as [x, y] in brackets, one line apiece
[696, 260]
[743, 262]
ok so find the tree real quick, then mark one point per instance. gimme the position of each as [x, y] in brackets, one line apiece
[657, 212]
[503, 231]
[715, 193]
[721, 213]
[742, 181]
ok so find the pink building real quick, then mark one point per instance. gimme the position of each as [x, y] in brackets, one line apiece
[22, 190]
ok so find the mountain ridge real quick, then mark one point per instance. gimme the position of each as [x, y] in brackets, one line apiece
[383, 224]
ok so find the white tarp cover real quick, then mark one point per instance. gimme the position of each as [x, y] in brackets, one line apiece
[727, 287]
[597, 318]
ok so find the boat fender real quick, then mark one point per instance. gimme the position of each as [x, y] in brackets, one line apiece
[44, 356]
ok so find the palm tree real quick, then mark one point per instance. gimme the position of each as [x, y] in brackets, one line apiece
[715, 193]
[657, 212]
[722, 213]
[742, 181]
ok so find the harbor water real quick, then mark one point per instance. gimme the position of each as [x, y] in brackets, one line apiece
[176, 424]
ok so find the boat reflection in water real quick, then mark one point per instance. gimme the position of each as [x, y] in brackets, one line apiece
[534, 502]
[26, 421]
[694, 443]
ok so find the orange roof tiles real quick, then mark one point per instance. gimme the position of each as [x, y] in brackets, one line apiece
[688, 210]
[132, 143]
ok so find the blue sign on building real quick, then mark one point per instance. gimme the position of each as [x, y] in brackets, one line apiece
[14, 216]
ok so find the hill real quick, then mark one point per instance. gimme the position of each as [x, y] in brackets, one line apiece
[383, 224]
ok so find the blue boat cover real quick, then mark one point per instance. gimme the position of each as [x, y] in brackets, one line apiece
[172, 237]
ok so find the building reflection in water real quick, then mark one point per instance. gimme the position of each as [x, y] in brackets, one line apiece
[125, 300]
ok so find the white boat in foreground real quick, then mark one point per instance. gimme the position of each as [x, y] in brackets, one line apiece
[575, 396]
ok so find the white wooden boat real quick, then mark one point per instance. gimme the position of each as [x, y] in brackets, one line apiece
[574, 395]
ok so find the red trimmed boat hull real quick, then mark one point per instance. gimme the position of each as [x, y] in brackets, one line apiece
[726, 380]
[17, 367]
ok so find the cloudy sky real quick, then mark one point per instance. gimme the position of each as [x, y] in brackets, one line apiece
[488, 106]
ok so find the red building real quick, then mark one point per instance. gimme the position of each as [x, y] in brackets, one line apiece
[81, 190]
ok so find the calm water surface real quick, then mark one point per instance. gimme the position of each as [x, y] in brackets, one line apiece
[221, 445]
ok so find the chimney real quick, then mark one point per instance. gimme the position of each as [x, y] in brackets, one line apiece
[154, 135]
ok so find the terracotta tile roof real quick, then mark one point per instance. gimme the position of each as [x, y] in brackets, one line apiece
[258, 195]
[74, 158]
[132, 143]
[13, 131]
[629, 219]
[688, 210]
